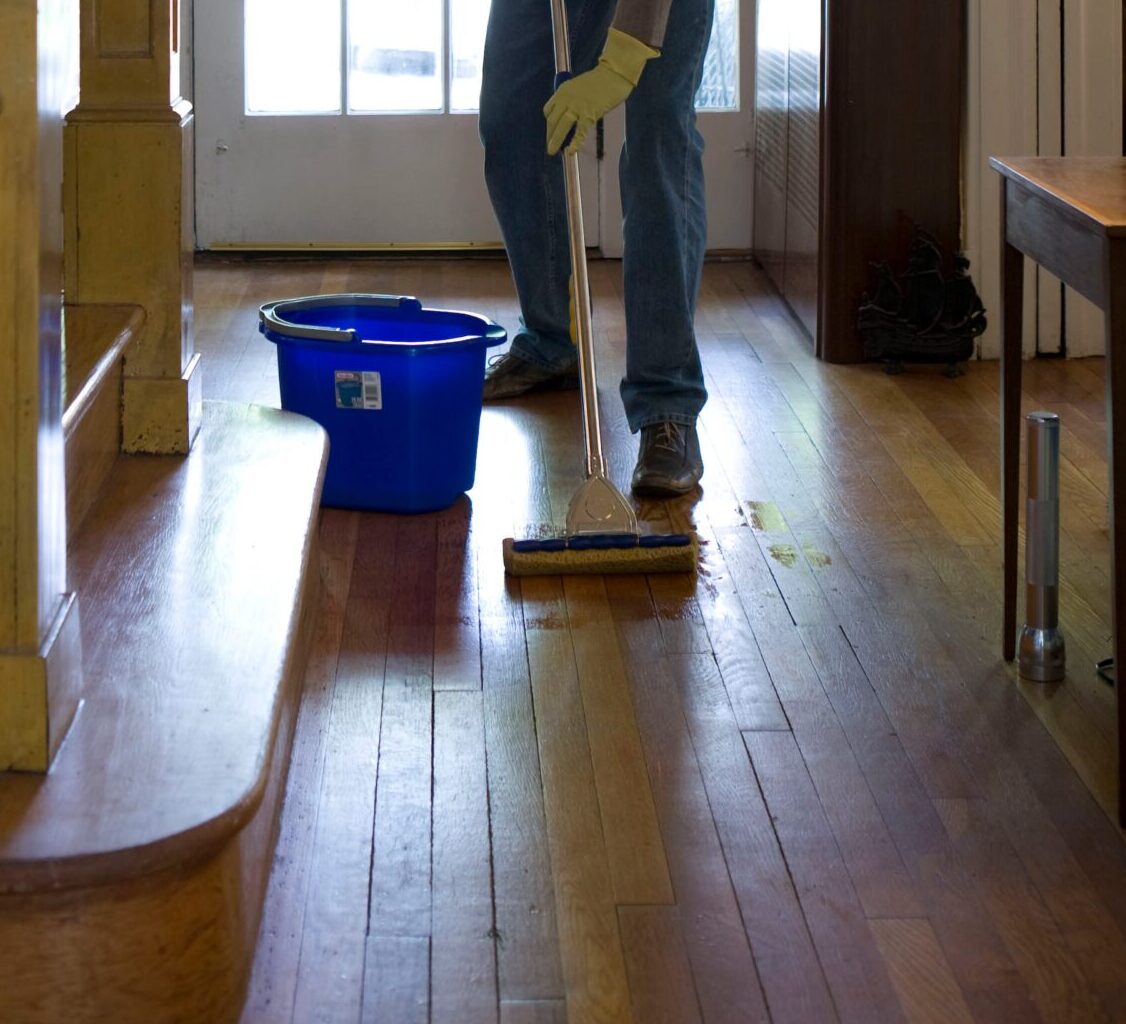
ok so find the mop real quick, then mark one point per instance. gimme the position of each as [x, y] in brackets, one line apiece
[602, 532]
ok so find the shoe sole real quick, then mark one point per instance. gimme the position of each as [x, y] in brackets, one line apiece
[653, 490]
[555, 384]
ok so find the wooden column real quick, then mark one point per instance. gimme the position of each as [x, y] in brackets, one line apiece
[40, 656]
[129, 186]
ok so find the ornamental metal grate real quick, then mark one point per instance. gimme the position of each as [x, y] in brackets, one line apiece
[719, 89]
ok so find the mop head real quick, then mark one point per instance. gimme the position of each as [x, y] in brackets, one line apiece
[601, 553]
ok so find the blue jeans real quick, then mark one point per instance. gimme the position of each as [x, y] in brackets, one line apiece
[661, 177]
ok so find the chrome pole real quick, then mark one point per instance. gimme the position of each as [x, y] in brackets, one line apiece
[597, 506]
[1041, 652]
[580, 285]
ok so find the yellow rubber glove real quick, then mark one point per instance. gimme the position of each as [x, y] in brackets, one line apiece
[581, 101]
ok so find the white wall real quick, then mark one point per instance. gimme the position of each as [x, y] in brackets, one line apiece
[187, 89]
[1092, 124]
[1044, 77]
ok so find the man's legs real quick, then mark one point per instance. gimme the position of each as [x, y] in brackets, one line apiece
[525, 184]
[662, 183]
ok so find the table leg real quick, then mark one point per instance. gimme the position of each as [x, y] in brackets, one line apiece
[1012, 311]
[1115, 309]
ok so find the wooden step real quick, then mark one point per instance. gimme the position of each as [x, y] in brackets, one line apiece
[132, 875]
[96, 338]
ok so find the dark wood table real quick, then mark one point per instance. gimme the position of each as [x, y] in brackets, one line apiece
[1069, 215]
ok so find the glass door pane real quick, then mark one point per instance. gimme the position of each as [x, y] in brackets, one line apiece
[292, 57]
[395, 56]
[468, 20]
[719, 89]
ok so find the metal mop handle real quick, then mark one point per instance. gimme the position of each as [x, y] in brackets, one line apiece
[579, 281]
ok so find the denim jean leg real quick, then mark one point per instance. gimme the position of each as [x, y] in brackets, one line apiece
[661, 175]
[524, 183]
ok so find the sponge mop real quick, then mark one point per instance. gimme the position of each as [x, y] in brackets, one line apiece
[602, 532]
[607, 553]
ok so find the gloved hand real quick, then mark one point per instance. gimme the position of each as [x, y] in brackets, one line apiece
[581, 101]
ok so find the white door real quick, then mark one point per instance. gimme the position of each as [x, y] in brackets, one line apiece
[726, 106]
[351, 124]
[343, 125]
[725, 112]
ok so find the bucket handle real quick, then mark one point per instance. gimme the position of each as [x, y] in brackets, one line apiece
[269, 317]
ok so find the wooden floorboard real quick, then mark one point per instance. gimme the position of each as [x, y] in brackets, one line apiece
[725, 975]
[660, 977]
[590, 943]
[280, 937]
[800, 786]
[463, 981]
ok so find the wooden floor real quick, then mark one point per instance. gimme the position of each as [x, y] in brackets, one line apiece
[801, 787]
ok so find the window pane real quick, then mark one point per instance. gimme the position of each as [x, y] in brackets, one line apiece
[394, 55]
[292, 57]
[468, 19]
[720, 88]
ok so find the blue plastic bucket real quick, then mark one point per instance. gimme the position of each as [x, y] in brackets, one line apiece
[396, 387]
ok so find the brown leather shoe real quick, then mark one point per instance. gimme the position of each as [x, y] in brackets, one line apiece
[669, 462]
[509, 375]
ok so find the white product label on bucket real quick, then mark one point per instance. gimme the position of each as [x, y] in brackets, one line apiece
[373, 390]
[358, 389]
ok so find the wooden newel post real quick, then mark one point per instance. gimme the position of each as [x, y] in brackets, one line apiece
[129, 192]
[40, 646]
